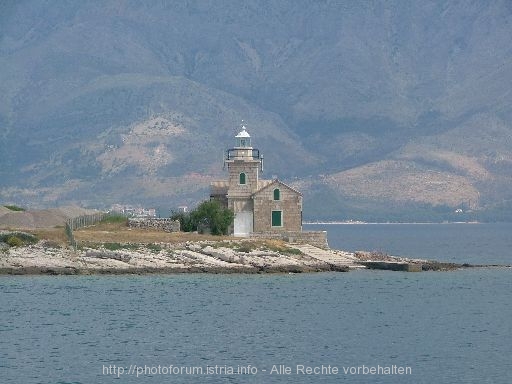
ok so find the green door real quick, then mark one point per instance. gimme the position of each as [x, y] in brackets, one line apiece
[277, 218]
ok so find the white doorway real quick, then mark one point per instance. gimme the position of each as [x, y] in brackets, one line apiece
[242, 224]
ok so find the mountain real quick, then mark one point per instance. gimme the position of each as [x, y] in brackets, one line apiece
[375, 110]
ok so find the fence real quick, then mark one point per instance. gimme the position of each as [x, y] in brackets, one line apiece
[81, 222]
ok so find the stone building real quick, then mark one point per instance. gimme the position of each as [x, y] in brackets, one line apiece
[259, 205]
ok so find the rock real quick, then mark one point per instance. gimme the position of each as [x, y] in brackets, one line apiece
[224, 254]
[192, 257]
[105, 254]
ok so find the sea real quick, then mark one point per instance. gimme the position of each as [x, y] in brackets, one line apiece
[356, 327]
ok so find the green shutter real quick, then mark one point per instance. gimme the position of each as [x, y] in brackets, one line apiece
[277, 217]
[277, 194]
[242, 178]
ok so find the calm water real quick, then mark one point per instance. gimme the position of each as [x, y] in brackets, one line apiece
[453, 327]
[471, 243]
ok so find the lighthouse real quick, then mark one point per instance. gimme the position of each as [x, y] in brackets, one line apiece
[244, 164]
[259, 206]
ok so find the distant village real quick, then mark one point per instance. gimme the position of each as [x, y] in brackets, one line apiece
[138, 211]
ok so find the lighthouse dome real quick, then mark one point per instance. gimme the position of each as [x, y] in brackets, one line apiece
[243, 138]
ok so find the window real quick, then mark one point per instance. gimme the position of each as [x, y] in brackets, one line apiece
[242, 178]
[277, 194]
[277, 218]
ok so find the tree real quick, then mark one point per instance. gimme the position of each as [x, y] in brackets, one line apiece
[210, 214]
[185, 219]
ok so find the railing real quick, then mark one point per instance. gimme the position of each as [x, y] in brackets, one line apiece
[234, 154]
[231, 154]
[81, 222]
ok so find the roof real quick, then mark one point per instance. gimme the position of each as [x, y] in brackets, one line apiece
[275, 182]
[219, 187]
[263, 183]
[243, 133]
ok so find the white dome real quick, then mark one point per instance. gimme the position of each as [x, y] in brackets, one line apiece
[243, 133]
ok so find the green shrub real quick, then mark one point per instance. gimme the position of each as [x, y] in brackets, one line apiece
[185, 219]
[246, 248]
[14, 208]
[155, 248]
[50, 244]
[112, 246]
[292, 251]
[267, 245]
[14, 241]
[214, 216]
[210, 215]
[115, 219]
[118, 246]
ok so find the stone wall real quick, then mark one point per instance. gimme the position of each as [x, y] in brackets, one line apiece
[289, 203]
[167, 225]
[251, 169]
[315, 238]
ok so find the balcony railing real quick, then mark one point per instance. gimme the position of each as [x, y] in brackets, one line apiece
[234, 154]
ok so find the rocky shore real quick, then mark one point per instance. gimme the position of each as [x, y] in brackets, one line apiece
[47, 258]
[234, 256]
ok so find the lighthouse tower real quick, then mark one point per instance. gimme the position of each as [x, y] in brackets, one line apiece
[244, 165]
[260, 206]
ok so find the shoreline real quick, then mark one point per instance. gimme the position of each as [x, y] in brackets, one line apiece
[211, 257]
[165, 258]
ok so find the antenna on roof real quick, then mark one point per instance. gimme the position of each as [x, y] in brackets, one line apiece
[242, 125]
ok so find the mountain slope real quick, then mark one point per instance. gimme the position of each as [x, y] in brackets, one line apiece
[379, 103]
